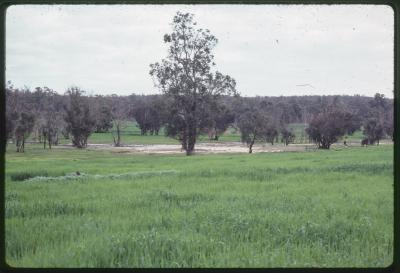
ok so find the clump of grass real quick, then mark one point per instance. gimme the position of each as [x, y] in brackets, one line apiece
[25, 175]
[135, 174]
[367, 168]
[70, 176]
[50, 209]
[75, 176]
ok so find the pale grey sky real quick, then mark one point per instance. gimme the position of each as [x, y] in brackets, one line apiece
[270, 50]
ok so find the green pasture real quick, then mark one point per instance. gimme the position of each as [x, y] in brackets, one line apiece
[294, 209]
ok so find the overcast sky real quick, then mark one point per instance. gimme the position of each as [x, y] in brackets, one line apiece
[270, 50]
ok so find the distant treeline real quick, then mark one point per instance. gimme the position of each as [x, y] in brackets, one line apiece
[75, 116]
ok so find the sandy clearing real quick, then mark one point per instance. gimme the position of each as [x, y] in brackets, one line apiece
[201, 148]
[210, 148]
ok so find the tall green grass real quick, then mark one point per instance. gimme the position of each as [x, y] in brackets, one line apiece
[294, 209]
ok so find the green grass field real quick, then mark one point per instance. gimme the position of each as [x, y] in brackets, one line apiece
[292, 209]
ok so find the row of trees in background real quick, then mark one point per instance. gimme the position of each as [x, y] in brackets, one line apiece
[336, 120]
[47, 116]
[74, 115]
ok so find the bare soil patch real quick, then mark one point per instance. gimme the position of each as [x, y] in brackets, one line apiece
[211, 148]
[201, 148]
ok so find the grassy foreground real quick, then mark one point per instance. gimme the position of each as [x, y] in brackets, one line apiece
[303, 209]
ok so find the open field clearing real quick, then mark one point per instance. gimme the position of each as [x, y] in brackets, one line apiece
[324, 208]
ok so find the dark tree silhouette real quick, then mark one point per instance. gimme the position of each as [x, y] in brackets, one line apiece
[186, 77]
[374, 130]
[287, 136]
[79, 119]
[330, 125]
[255, 125]
[23, 130]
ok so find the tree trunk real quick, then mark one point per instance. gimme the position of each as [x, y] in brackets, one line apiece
[184, 142]
[183, 147]
[80, 143]
[17, 144]
[189, 152]
[20, 143]
[118, 137]
[49, 137]
[251, 146]
[324, 145]
[191, 140]
[190, 145]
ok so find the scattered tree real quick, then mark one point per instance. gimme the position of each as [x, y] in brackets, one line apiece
[23, 130]
[374, 130]
[271, 132]
[103, 119]
[12, 111]
[389, 127]
[79, 120]
[221, 117]
[11, 122]
[379, 121]
[330, 125]
[287, 136]
[119, 116]
[185, 77]
[253, 126]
